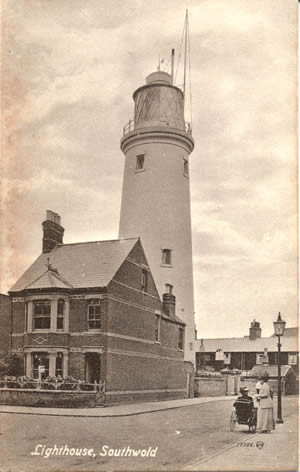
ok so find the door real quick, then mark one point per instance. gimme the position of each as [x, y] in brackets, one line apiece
[92, 367]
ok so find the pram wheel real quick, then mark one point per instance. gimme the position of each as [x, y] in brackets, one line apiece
[233, 420]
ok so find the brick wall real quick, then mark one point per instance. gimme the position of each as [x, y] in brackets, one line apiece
[18, 317]
[77, 365]
[210, 387]
[5, 318]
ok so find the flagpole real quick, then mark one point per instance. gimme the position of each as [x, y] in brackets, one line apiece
[185, 51]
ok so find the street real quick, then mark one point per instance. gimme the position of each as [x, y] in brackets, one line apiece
[177, 438]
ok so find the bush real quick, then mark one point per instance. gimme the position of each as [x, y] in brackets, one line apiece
[10, 365]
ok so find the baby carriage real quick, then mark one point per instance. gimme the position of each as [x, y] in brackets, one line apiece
[244, 413]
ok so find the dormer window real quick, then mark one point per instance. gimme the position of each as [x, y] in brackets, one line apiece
[140, 162]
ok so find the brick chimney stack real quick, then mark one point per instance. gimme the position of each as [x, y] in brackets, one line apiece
[255, 330]
[53, 232]
[169, 302]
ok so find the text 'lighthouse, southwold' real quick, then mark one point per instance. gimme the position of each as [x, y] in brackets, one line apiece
[156, 191]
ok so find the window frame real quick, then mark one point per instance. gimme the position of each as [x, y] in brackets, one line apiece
[41, 316]
[144, 281]
[259, 358]
[186, 167]
[60, 316]
[227, 358]
[157, 328]
[140, 162]
[180, 340]
[94, 318]
[294, 356]
[166, 257]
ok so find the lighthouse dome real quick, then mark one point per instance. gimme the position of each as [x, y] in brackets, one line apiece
[159, 77]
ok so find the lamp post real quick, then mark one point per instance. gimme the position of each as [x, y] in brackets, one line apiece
[279, 326]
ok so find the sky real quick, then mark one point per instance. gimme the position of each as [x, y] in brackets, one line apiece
[68, 73]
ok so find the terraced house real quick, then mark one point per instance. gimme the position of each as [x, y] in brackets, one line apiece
[91, 310]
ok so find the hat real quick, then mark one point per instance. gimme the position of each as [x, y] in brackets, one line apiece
[245, 389]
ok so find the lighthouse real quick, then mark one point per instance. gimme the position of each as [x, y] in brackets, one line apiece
[156, 191]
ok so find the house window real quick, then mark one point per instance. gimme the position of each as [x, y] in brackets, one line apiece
[157, 328]
[180, 338]
[166, 257]
[185, 167]
[140, 161]
[59, 364]
[191, 346]
[94, 314]
[40, 359]
[292, 360]
[60, 314]
[144, 281]
[41, 314]
[259, 358]
[227, 358]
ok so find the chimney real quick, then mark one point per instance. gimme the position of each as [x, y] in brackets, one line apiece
[169, 302]
[52, 231]
[255, 330]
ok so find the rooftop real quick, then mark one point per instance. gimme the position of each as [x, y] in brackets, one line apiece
[76, 265]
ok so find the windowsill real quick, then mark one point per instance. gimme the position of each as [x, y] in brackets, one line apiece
[181, 350]
[95, 330]
[139, 170]
[157, 342]
[166, 265]
[45, 330]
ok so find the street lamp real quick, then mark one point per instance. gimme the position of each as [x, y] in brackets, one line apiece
[279, 326]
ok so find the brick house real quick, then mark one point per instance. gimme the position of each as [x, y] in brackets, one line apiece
[91, 310]
[5, 306]
[246, 352]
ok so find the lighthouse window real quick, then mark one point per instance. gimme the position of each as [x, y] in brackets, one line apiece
[140, 160]
[166, 257]
[186, 167]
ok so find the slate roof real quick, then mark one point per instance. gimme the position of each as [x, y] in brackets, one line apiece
[78, 265]
[288, 344]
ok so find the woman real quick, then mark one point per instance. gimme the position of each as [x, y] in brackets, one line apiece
[265, 421]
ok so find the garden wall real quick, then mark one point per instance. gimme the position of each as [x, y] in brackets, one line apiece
[210, 387]
[63, 399]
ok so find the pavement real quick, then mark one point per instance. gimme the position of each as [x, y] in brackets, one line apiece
[112, 411]
[277, 451]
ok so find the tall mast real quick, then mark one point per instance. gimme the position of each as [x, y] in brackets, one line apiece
[185, 52]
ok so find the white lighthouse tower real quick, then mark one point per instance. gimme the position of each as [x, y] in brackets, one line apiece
[156, 191]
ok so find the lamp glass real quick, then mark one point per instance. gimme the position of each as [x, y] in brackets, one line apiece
[279, 326]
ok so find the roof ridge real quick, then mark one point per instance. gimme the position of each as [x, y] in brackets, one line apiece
[96, 242]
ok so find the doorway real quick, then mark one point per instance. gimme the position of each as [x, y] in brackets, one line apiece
[92, 367]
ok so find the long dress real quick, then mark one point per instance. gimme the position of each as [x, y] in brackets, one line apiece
[265, 421]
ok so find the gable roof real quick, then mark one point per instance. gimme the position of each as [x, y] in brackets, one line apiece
[288, 343]
[78, 265]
